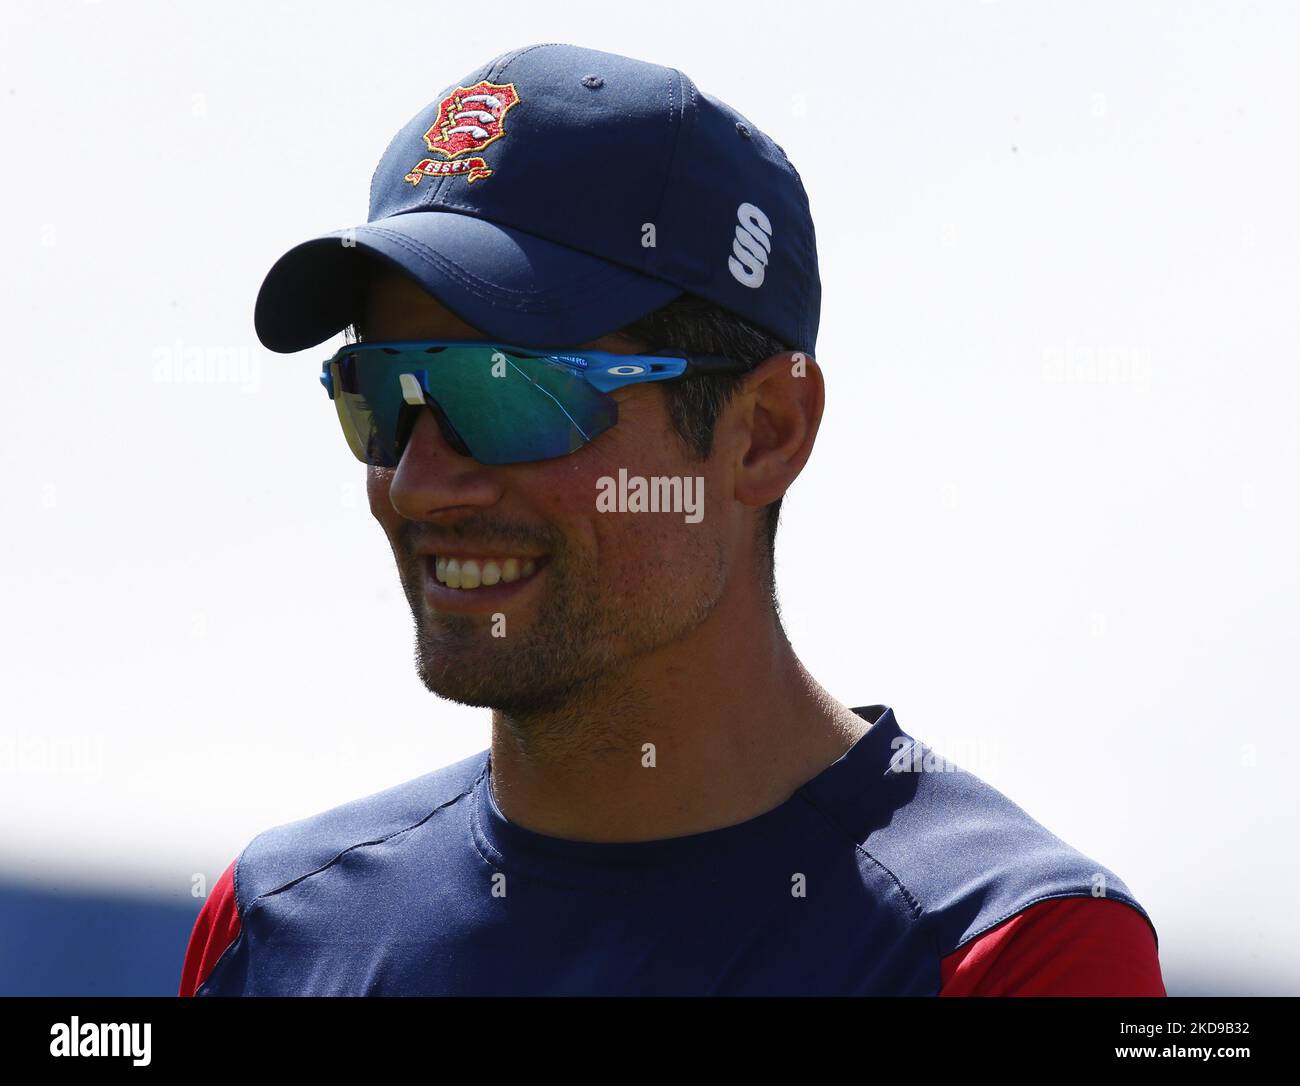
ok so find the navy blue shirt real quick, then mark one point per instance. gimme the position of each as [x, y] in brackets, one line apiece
[876, 877]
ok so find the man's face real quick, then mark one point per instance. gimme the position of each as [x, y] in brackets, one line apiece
[606, 588]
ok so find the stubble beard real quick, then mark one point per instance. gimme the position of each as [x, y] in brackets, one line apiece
[578, 639]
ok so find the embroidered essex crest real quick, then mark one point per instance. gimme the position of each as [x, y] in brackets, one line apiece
[469, 118]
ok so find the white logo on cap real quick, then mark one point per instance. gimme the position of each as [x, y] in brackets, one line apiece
[752, 246]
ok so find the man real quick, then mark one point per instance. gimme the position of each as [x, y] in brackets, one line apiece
[582, 315]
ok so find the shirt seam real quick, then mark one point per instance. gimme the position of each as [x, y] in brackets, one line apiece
[922, 917]
[241, 910]
[1063, 896]
[360, 844]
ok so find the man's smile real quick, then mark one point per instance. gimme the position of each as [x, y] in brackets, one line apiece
[477, 581]
[472, 572]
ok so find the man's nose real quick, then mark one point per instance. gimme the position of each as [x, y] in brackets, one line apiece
[432, 476]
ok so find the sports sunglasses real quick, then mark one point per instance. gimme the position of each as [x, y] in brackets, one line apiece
[495, 403]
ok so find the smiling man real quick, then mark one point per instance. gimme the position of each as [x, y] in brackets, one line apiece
[579, 268]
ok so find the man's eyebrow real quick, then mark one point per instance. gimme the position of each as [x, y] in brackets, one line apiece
[627, 338]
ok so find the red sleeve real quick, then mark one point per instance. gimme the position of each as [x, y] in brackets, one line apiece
[1070, 946]
[214, 930]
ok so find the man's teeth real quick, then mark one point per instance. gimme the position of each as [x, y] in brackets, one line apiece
[472, 572]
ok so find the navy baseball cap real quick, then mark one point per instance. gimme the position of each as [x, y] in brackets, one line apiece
[555, 195]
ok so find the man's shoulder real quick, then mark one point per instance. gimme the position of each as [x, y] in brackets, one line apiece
[284, 854]
[965, 857]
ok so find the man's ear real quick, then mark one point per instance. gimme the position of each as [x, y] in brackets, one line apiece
[781, 408]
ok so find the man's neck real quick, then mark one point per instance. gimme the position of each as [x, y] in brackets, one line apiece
[703, 733]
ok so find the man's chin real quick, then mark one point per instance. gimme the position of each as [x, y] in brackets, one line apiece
[509, 676]
[505, 694]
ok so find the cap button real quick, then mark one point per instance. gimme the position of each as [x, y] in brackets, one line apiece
[743, 129]
[592, 81]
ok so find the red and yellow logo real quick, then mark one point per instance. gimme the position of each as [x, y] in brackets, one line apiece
[469, 118]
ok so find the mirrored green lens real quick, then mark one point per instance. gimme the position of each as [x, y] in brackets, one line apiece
[506, 407]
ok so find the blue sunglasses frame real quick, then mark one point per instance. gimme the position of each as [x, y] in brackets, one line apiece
[604, 371]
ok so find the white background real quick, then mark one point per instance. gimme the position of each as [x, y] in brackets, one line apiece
[1051, 518]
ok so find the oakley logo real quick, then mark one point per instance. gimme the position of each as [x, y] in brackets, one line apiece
[625, 371]
[752, 246]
